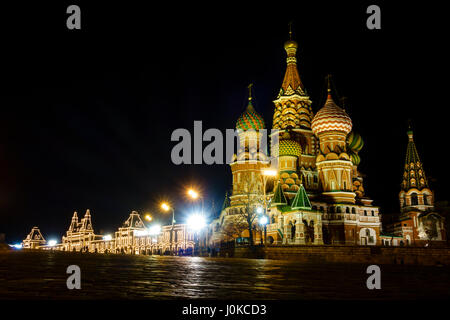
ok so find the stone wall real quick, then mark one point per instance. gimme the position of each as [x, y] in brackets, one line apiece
[348, 254]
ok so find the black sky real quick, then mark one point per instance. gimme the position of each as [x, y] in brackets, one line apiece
[86, 116]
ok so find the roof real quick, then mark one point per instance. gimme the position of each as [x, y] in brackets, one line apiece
[278, 197]
[250, 119]
[331, 117]
[291, 83]
[301, 200]
[413, 173]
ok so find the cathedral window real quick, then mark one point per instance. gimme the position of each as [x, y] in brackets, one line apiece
[347, 210]
[365, 212]
[414, 200]
[373, 213]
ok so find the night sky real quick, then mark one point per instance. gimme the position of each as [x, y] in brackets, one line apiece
[86, 116]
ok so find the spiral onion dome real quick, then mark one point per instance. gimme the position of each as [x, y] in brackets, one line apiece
[331, 118]
[354, 157]
[289, 147]
[250, 119]
[354, 142]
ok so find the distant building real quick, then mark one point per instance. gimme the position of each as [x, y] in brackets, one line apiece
[34, 239]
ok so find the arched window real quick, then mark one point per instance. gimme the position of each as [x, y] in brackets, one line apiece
[414, 201]
[339, 210]
[373, 213]
[425, 199]
[367, 232]
[347, 210]
[365, 212]
[353, 210]
[331, 210]
[321, 209]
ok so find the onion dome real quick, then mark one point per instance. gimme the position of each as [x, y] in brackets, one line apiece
[331, 118]
[354, 142]
[250, 119]
[354, 157]
[289, 147]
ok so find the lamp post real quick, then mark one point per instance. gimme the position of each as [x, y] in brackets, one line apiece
[266, 173]
[194, 195]
[196, 223]
[166, 208]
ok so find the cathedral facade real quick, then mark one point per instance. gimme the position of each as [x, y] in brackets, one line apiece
[315, 194]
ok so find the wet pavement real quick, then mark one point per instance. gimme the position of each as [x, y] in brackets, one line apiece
[42, 275]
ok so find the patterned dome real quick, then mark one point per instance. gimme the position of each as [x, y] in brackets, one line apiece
[355, 142]
[289, 148]
[331, 118]
[250, 119]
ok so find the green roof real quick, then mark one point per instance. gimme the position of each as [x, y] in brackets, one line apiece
[278, 197]
[226, 202]
[301, 200]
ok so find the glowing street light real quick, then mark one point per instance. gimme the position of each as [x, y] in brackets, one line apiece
[148, 217]
[154, 230]
[259, 210]
[52, 243]
[193, 194]
[263, 221]
[196, 222]
[107, 237]
[166, 208]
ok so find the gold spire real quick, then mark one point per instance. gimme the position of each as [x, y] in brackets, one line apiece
[329, 86]
[291, 82]
[250, 91]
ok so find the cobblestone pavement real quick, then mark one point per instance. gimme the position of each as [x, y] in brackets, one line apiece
[42, 275]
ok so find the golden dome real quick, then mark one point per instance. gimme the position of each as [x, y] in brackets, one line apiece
[290, 44]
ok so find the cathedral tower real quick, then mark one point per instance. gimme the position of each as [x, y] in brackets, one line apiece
[251, 159]
[295, 146]
[331, 125]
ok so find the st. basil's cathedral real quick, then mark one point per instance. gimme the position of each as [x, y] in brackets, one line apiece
[316, 194]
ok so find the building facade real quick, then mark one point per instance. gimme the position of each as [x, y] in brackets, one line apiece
[317, 195]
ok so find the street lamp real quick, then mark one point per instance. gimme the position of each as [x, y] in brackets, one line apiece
[166, 208]
[264, 221]
[194, 195]
[196, 223]
[266, 173]
[148, 217]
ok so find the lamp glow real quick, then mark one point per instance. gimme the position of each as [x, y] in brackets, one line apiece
[148, 217]
[259, 210]
[108, 237]
[196, 222]
[269, 172]
[52, 243]
[154, 230]
[193, 194]
[165, 206]
[263, 220]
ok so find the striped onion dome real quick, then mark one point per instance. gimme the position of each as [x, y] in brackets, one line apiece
[331, 118]
[289, 147]
[250, 119]
[354, 142]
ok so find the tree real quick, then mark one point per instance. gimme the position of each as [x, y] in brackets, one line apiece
[234, 227]
[253, 199]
